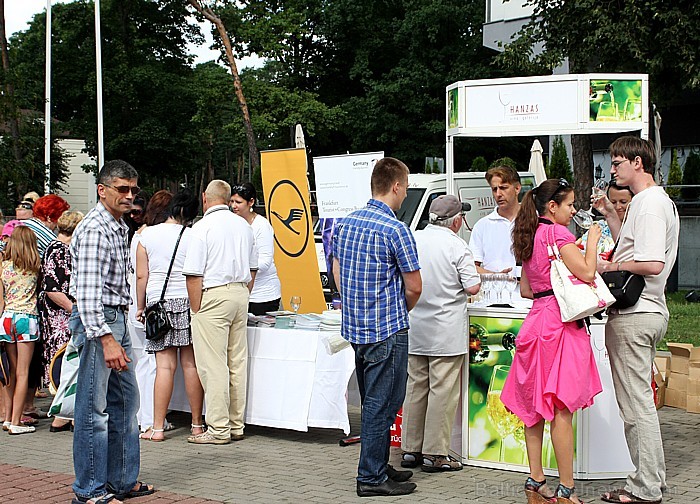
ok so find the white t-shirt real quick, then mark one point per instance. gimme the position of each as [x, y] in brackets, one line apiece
[159, 242]
[267, 283]
[438, 322]
[221, 249]
[650, 233]
[491, 243]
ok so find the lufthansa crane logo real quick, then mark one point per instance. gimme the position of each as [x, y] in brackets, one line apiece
[289, 217]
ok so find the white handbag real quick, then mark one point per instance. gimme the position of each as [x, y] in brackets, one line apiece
[577, 299]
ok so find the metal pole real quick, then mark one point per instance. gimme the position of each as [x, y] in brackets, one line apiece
[47, 104]
[98, 71]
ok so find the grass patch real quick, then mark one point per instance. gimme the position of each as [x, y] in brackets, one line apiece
[684, 321]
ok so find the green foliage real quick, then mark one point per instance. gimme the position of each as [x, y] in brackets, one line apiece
[559, 165]
[675, 176]
[682, 322]
[504, 161]
[691, 176]
[663, 44]
[479, 164]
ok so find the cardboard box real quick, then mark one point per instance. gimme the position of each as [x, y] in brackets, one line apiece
[693, 405]
[693, 388]
[676, 398]
[662, 366]
[682, 354]
[660, 397]
[678, 381]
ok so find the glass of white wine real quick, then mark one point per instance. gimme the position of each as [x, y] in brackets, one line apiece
[584, 218]
[295, 303]
[505, 423]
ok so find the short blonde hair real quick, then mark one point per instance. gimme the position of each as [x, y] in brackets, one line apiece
[68, 221]
[218, 190]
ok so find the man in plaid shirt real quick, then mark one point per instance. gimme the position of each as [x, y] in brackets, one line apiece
[106, 453]
[376, 269]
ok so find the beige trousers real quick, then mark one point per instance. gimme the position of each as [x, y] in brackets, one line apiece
[219, 338]
[432, 395]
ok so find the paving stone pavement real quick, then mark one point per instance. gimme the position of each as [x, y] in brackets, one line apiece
[282, 466]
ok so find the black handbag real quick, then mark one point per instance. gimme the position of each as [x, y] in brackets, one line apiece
[625, 286]
[157, 319]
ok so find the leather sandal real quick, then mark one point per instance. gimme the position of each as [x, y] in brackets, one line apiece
[193, 435]
[147, 437]
[614, 496]
[411, 459]
[440, 463]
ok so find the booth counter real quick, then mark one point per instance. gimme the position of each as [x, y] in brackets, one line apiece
[487, 435]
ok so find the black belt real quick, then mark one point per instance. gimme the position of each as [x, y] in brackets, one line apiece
[542, 294]
[123, 308]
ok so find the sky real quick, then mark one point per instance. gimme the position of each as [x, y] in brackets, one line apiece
[18, 14]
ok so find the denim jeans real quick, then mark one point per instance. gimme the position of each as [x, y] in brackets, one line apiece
[382, 370]
[106, 452]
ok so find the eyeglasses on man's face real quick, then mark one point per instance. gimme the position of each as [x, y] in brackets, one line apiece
[125, 189]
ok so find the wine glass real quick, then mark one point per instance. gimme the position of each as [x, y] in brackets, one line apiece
[505, 423]
[295, 303]
[584, 218]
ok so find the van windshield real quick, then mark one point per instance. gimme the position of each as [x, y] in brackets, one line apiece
[410, 205]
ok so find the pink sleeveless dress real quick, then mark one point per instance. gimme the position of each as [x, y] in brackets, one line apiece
[553, 365]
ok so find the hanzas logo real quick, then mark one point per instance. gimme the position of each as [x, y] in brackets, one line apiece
[289, 216]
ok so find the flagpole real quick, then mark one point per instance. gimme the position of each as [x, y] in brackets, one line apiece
[47, 104]
[98, 71]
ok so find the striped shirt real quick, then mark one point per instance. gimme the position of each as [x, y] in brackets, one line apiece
[373, 248]
[44, 235]
[100, 257]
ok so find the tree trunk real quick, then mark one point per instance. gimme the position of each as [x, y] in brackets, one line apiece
[238, 89]
[582, 155]
[13, 118]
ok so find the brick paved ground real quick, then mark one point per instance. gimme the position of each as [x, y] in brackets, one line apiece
[273, 466]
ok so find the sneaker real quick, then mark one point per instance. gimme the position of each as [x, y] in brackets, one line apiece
[20, 429]
[439, 463]
[206, 438]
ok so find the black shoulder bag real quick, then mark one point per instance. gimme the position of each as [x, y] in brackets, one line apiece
[625, 286]
[157, 319]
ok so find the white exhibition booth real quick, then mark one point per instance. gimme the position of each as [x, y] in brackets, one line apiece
[532, 106]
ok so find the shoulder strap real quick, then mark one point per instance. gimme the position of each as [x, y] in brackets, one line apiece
[172, 261]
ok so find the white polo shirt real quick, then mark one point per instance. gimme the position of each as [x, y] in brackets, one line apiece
[221, 249]
[491, 242]
[438, 322]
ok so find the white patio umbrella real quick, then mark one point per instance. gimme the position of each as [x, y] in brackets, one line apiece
[299, 137]
[537, 163]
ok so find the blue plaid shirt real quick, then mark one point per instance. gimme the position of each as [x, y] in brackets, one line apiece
[373, 248]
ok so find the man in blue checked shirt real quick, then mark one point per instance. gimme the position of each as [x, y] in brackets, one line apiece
[376, 269]
[106, 452]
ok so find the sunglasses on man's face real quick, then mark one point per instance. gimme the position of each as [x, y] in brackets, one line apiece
[125, 189]
[26, 206]
[136, 211]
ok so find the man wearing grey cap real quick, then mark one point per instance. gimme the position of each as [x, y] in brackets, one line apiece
[437, 339]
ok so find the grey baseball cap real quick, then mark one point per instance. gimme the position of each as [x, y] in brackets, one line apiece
[446, 206]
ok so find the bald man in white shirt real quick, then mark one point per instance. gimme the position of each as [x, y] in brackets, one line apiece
[220, 265]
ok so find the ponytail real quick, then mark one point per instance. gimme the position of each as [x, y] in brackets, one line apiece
[524, 227]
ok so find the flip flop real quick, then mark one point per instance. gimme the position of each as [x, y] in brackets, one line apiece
[614, 496]
[147, 437]
[143, 489]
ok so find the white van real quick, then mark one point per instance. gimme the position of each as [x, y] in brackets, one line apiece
[470, 187]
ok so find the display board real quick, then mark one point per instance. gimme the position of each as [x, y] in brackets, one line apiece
[343, 183]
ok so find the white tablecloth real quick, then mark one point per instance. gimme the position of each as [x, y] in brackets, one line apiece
[293, 383]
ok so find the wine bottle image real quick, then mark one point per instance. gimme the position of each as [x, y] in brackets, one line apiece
[481, 343]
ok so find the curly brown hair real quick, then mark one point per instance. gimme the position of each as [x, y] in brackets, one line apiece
[533, 206]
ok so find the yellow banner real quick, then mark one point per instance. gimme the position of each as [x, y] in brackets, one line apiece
[286, 190]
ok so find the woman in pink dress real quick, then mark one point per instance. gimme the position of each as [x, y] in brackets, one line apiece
[553, 372]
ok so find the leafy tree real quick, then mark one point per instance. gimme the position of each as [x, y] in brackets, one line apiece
[504, 161]
[691, 176]
[675, 175]
[655, 37]
[479, 164]
[559, 166]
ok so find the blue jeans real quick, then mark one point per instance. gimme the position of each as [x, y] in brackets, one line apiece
[106, 452]
[382, 371]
